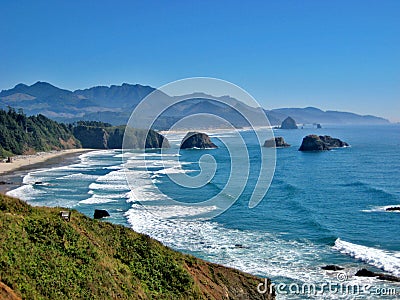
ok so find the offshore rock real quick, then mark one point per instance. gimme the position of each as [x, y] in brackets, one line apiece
[320, 143]
[381, 276]
[197, 140]
[100, 213]
[332, 268]
[289, 123]
[393, 208]
[278, 142]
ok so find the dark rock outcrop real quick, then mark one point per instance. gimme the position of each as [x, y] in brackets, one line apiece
[289, 123]
[141, 138]
[388, 277]
[381, 276]
[332, 268]
[100, 213]
[365, 273]
[394, 208]
[319, 126]
[276, 142]
[333, 142]
[319, 143]
[197, 140]
[113, 137]
[156, 140]
[313, 143]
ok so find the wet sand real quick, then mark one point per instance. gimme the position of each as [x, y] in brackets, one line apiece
[12, 174]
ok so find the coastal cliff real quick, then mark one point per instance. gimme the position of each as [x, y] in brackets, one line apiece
[20, 134]
[42, 256]
[91, 137]
[111, 137]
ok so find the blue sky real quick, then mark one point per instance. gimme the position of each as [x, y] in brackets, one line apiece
[341, 55]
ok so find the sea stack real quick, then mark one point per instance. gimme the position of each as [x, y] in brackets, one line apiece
[320, 143]
[332, 268]
[100, 213]
[197, 140]
[289, 123]
[393, 208]
[277, 142]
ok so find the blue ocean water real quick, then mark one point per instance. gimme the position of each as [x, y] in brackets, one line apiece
[321, 208]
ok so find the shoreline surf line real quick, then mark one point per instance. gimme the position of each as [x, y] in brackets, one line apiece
[11, 174]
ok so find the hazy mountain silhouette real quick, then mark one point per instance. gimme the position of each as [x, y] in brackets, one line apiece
[124, 96]
[114, 104]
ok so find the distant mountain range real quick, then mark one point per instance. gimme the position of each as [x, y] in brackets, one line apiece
[114, 105]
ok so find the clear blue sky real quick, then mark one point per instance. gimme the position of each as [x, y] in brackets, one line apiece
[342, 55]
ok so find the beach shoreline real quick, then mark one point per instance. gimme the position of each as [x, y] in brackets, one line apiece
[11, 174]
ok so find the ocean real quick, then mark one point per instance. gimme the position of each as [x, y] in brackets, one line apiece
[321, 208]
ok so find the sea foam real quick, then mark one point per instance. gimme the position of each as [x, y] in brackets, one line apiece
[382, 259]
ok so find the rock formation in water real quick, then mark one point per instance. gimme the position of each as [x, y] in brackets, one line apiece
[278, 142]
[332, 268]
[289, 123]
[319, 143]
[381, 276]
[100, 213]
[197, 140]
[393, 208]
[333, 142]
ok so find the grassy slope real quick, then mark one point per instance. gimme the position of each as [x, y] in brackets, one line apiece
[44, 257]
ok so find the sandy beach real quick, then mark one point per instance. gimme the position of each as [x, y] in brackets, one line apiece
[22, 161]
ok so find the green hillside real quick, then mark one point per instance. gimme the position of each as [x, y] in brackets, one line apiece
[20, 134]
[43, 256]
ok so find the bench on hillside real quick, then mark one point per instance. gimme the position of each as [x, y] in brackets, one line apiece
[66, 215]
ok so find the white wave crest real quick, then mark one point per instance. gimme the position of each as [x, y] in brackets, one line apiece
[97, 200]
[108, 187]
[382, 259]
[80, 176]
[382, 209]
[25, 192]
[255, 252]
